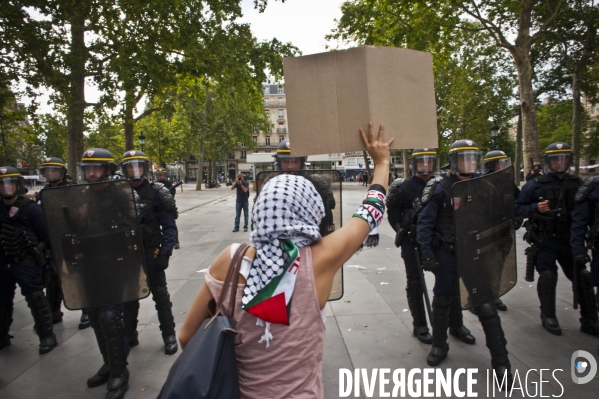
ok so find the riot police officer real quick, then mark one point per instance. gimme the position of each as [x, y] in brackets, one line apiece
[494, 161]
[54, 171]
[403, 203]
[548, 202]
[284, 160]
[158, 213]
[21, 260]
[97, 165]
[161, 178]
[437, 240]
[585, 227]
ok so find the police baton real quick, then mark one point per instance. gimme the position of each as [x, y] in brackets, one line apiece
[423, 282]
[575, 282]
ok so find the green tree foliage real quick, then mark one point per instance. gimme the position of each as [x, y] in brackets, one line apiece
[418, 24]
[473, 80]
[52, 131]
[132, 49]
[555, 124]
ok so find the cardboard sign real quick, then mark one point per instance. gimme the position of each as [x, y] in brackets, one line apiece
[331, 95]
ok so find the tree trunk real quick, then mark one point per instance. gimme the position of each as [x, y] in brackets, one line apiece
[200, 163]
[128, 119]
[76, 97]
[406, 164]
[530, 129]
[518, 158]
[367, 165]
[576, 115]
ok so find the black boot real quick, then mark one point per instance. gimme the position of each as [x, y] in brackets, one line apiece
[165, 316]
[6, 308]
[546, 291]
[416, 305]
[496, 342]
[40, 310]
[130, 312]
[112, 326]
[588, 304]
[54, 296]
[84, 320]
[500, 305]
[101, 377]
[441, 305]
[456, 323]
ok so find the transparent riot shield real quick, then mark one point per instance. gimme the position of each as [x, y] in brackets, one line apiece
[96, 243]
[328, 184]
[484, 213]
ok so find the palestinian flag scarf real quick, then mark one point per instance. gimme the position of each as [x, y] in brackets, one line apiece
[285, 218]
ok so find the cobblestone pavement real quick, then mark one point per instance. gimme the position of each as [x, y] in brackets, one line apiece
[370, 327]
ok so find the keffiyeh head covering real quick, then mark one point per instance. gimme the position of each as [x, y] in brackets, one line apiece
[285, 217]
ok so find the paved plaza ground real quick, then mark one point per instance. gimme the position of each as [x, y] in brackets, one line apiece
[369, 328]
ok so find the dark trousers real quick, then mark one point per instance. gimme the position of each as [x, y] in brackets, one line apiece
[238, 207]
[446, 275]
[595, 268]
[557, 251]
[409, 259]
[156, 275]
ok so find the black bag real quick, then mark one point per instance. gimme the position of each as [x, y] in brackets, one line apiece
[207, 367]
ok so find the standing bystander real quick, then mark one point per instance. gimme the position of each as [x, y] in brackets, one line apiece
[243, 195]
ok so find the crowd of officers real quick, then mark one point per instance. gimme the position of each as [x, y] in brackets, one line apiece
[562, 226]
[562, 223]
[25, 259]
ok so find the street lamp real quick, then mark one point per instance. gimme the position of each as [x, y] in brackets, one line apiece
[142, 141]
[494, 133]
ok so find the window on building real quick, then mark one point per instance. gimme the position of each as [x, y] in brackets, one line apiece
[281, 90]
[281, 113]
[267, 138]
[255, 139]
[243, 154]
[242, 144]
[267, 152]
[281, 138]
[266, 102]
[281, 102]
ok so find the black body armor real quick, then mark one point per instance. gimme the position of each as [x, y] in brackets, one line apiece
[151, 230]
[16, 239]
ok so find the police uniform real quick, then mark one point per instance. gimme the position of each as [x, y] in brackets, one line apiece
[403, 203]
[171, 189]
[54, 171]
[22, 230]
[157, 218]
[585, 225]
[106, 321]
[552, 233]
[436, 237]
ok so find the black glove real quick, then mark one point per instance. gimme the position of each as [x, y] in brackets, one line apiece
[162, 261]
[429, 265]
[582, 259]
[372, 241]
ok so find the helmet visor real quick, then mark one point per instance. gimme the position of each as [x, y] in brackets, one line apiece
[135, 169]
[8, 187]
[424, 165]
[52, 173]
[92, 172]
[557, 163]
[466, 162]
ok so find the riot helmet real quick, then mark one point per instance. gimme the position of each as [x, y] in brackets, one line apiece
[11, 182]
[53, 169]
[284, 160]
[161, 174]
[97, 164]
[557, 158]
[424, 162]
[495, 161]
[136, 165]
[465, 157]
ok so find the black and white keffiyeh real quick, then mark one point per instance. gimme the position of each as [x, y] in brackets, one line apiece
[285, 217]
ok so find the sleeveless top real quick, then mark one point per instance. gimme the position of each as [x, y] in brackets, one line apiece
[292, 365]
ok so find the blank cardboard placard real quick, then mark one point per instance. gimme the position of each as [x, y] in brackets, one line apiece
[331, 95]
